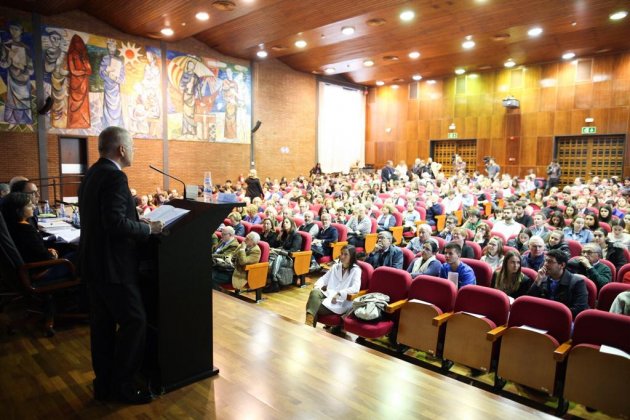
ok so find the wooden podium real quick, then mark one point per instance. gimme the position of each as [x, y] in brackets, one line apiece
[177, 290]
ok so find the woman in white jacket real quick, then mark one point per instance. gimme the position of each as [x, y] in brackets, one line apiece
[330, 293]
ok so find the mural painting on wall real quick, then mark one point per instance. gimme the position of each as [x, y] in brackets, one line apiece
[95, 82]
[17, 76]
[208, 100]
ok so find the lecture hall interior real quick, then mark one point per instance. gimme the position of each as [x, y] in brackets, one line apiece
[349, 84]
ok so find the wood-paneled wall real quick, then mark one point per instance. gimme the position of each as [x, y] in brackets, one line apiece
[555, 98]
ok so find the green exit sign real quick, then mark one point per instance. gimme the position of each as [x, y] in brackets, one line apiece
[452, 135]
[589, 130]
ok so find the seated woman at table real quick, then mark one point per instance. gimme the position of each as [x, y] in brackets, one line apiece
[17, 208]
[330, 293]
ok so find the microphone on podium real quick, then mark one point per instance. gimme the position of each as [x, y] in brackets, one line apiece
[187, 189]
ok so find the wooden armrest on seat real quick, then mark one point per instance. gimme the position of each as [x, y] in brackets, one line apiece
[27, 278]
[495, 334]
[257, 274]
[561, 352]
[396, 306]
[440, 222]
[301, 261]
[397, 232]
[370, 242]
[336, 248]
[441, 319]
[356, 295]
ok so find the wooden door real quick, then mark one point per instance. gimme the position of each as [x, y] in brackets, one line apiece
[73, 162]
[442, 151]
[589, 156]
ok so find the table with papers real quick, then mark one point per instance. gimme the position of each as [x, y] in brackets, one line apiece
[62, 229]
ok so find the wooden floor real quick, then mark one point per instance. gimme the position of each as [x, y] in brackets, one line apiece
[271, 366]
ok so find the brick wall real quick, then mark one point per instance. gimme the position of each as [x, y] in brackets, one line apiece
[283, 99]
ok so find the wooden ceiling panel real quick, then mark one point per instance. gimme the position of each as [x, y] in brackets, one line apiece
[437, 31]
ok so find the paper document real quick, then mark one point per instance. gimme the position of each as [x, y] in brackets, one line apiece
[166, 214]
[613, 350]
[422, 302]
[536, 330]
[473, 314]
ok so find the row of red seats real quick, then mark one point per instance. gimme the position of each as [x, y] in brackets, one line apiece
[533, 335]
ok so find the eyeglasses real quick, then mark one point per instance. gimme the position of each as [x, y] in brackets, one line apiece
[586, 252]
[36, 192]
[598, 235]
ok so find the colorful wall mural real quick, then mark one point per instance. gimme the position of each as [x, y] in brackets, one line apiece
[208, 100]
[17, 76]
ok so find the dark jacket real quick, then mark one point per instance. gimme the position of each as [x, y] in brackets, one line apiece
[291, 243]
[270, 238]
[110, 229]
[615, 254]
[571, 292]
[29, 243]
[524, 285]
[328, 236]
[391, 257]
[254, 189]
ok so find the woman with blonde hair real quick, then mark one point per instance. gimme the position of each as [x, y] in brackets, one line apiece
[254, 188]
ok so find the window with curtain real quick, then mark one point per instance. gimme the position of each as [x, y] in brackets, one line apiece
[341, 127]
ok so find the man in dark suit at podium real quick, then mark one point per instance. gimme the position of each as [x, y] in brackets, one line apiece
[108, 262]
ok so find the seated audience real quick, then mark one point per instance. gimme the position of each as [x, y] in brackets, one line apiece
[509, 278]
[252, 215]
[309, 225]
[552, 207]
[618, 233]
[239, 228]
[493, 253]
[330, 292]
[385, 254]
[578, 232]
[459, 237]
[591, 221]
[455, 270]
[247, 253]
[556, 220]
[520, 216]
[556, 283]
[280, 262]
[507, 226]
[611, 251]
[521, 242]
[535, 257]
[386, 219]
[222, 265]
[433, 209]
[324, 238]
[410, 216]
[473, 221]
[588, 264]
[359, 225]
[621, 304]
[539, 228]
[447, 232]
[482, 235]
[555, 240]
[427, 263]
[605, 214]
[424, 234]
[269, 232]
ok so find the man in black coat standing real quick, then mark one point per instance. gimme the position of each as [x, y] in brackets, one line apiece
[109, 264]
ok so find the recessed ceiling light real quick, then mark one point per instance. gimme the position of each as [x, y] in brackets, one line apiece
[414, 54]
[468, 43]
[431, 82]
[329, 70]
[416, 77]
[368, 63]
[472, 76]
[509, 64]
[262, 54]
[300, 43]
[407, 15]
[167, 31]
[536, 31]
[568, 55]
[394, 86]
[379, 83]
[347, 30]
[460, 71]
[202, 16]
[618, 15]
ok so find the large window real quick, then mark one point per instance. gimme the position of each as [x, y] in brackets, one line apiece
[341, 127]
